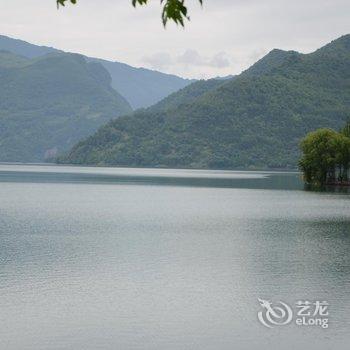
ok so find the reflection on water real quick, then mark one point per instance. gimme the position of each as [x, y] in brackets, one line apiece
[88, 260]
[335, 189]
[172, 177]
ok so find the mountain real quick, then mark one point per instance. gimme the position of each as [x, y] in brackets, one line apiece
[255, 120]
[141, 87]
[8, 59]
[271, 61]
[187, 94]
[49, 103]
[24, 49]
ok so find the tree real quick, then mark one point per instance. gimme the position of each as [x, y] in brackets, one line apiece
[174, 10]
[346, 130]
[319, 154]
[326, 157]
[343, 156]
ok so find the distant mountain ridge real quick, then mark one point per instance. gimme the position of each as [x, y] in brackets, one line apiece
[141, 87]
[49, 103]
[254, 120]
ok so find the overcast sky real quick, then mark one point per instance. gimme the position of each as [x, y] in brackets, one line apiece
[224, 37]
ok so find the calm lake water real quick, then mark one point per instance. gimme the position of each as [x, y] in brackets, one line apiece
[97, 258]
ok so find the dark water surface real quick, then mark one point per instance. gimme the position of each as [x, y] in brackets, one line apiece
[102, 258]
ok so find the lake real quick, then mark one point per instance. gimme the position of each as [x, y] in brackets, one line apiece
[113, 258]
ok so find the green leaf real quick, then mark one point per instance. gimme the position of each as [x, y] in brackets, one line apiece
[174, 10]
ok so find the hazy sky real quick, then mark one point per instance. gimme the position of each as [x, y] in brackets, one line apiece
[224, 37]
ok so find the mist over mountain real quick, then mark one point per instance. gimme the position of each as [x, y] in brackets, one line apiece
[49, 103]
[254, 120]
[141, 87]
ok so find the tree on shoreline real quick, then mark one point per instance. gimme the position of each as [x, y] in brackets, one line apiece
[173, 10]
[346, 130]
[326, 157]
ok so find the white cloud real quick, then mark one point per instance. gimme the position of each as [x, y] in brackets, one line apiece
[159, 60]
[191, 57]
[220, 60]
[188, 60]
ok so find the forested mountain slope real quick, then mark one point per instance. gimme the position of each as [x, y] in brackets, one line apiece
[254, 120]
[49, 103]
[141, 87]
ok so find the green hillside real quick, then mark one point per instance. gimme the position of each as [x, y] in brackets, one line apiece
[8, 59]
[254, 120]
[187, 94]
[47, 104]
[141, 87]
